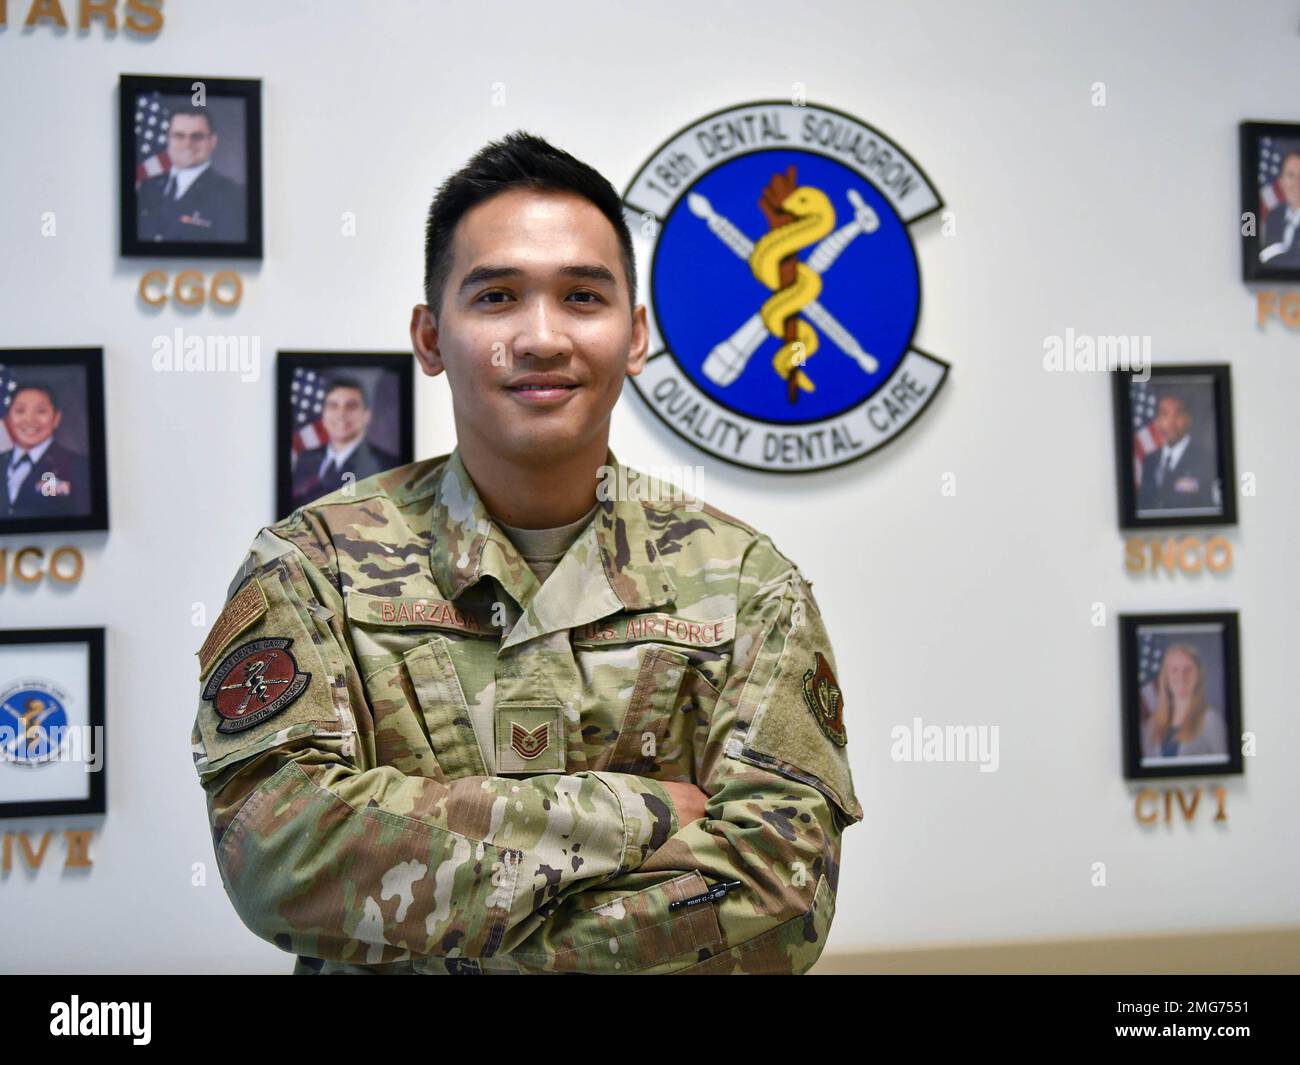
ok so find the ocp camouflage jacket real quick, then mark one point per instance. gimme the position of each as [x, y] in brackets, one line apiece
[418, 759]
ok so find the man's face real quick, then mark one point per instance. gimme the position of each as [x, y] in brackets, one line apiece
[1291, 180]
[31, 418]
[1172, 419]
[536, 287]
[345, 416]
[189, 141]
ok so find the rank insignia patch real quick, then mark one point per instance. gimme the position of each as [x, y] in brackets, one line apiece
[254, 682]
[528, 745]
[825, 700]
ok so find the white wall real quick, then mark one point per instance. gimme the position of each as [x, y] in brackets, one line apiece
[973, 609]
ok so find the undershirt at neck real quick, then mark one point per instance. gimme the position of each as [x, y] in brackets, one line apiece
[542, 549]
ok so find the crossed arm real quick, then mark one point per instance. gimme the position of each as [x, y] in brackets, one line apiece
[328, 855]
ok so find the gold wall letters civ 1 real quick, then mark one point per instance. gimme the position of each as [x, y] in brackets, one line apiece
[1150, 806]
[144, 18]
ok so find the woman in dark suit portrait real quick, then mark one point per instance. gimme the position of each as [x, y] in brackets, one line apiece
[42, 478]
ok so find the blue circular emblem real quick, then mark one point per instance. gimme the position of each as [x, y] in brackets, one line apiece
[783, 287]
[33, 723]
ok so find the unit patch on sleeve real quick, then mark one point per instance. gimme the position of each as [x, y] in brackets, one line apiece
[254, 682]
[825, 700]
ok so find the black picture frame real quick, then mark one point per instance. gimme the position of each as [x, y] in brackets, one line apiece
[96, 801]
[287, 362]
[130, 88]
[1131, 515]
[1250, 136]
[1130, 628]
[91, 360]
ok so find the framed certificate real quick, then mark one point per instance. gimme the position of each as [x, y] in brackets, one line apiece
[52, 752]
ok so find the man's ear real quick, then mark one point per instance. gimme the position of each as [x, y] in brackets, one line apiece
[640, 342]
[424, 340]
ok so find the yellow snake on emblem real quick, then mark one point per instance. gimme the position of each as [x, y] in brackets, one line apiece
[814, 218]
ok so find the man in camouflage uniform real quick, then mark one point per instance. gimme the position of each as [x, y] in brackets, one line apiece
[420, 757]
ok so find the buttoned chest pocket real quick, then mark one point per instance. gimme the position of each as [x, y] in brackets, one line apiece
[420, 718]
[652, 731]
[417, 696]
[647, 705]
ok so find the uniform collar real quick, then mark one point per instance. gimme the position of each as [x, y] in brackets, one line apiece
[613, 565]
[37, 453]
[1176, 450]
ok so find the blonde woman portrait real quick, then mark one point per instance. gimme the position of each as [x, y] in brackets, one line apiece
[1183, 723]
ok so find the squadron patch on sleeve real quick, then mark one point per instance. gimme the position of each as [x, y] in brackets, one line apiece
[235, 617]
[825, 700]
[255, 681]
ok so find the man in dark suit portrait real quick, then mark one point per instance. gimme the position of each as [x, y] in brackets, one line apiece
[42, 478]
[348, 457]
[191, 201]
[1183, 473]
[1279, 244]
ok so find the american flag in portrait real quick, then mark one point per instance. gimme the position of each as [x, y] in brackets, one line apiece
[1271, 153]
[1146, 437]
[1151, 653]
[307, 398]
[8, 385]
[152, 117]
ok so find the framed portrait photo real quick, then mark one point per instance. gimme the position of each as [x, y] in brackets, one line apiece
[340, 418]
[1181, 694]
[52, 753]
[52, 459]
[1270, 198]
[1173, 446]
[191, 166]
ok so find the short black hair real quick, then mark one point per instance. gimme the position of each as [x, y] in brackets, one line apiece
[343, 381]
[202, 112]
[36, 386]
[520, 160]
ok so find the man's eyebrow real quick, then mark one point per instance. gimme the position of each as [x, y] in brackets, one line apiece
[590, 272]
[583, 271]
